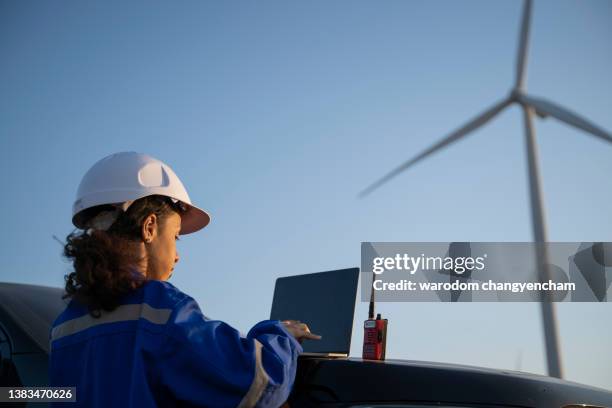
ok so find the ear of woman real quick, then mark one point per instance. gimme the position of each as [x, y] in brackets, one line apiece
[149, 228]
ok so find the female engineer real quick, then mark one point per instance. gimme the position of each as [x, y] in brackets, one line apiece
[130, 338]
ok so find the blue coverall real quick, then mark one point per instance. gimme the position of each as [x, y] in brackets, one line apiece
[158, 349]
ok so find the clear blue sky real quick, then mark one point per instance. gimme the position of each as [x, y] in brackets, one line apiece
[276, 114]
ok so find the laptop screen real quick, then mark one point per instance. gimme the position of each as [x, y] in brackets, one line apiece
[325, 301]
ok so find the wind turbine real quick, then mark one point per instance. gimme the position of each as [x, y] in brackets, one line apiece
[542, 108]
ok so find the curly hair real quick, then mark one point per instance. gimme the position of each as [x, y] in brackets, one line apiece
[106, 262]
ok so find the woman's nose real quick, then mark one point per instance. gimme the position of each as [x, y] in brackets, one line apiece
[176, 257]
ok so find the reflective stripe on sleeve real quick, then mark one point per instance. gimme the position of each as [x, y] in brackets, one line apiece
[260, 381]
[120, 314]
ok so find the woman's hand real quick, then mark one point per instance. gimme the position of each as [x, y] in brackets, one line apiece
[299, 330]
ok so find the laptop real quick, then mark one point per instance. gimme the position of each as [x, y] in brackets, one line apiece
[325, 301]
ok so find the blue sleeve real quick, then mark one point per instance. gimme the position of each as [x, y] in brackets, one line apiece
[207, 362]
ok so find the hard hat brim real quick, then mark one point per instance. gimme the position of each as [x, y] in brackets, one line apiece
[194, 219]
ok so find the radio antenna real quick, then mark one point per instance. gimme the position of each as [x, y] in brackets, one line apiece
[371, 311]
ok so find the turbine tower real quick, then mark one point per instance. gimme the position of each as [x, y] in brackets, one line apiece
[529, 106]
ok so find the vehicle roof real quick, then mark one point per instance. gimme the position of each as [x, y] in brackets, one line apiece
[32, 308]
[357, 380]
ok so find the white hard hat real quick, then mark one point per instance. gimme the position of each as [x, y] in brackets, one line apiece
[127, 176]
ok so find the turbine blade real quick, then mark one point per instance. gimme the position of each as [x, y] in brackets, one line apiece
[473, 124]
[521, 58]
[544, 107]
